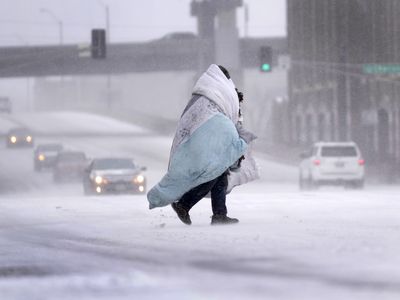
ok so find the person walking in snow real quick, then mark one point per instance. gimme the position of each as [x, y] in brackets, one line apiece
[207, 151]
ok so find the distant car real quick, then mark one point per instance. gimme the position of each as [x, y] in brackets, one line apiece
[69, 166]
[45, 155]
[114, 175]
[19, 137]
[179, 36]
[332, 163]
[5, 105]
[184, 37]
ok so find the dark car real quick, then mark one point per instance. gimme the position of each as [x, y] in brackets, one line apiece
[45, 155]
[69, 166]
[19, 137]
[114, 175]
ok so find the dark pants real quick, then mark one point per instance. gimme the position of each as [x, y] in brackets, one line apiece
[217, 187]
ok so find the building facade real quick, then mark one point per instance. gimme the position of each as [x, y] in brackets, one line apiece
[333, 96]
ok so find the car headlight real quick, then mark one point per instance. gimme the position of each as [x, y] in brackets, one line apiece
[13, 139]
[41, 157]
[139, 179]
[98, 179]
[29, 139]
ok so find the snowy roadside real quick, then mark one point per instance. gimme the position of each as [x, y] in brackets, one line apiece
[289, 245]
[71, 123]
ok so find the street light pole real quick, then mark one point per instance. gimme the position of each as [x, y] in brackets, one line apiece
[108, 34]
[59, 22]
[246, 20]
[28, 96]
[60, 32]
[108, 23]
[107, 13]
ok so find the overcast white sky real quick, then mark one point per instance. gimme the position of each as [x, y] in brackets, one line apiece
[21, 21]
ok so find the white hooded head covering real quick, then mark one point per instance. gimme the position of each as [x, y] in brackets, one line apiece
[214, 85]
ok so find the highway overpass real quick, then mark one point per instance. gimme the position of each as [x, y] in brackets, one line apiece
[159, 55]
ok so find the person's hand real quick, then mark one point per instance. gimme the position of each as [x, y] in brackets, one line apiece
[240, 161]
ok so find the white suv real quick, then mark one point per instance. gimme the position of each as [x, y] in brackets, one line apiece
[332, 163]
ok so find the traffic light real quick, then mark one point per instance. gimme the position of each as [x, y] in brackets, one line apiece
[98, 43]
[265, 57]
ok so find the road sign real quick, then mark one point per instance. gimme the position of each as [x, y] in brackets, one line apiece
[381, 69]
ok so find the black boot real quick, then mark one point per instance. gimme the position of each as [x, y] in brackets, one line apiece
[222, 220]
[182, 213]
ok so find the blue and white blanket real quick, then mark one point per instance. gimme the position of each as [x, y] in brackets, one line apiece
[206, 142]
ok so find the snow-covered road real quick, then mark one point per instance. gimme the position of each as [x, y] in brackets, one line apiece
[56, 243]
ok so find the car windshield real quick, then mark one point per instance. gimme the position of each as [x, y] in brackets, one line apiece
[72, 156]
[105, 164]
[20, 132]
[338, 151]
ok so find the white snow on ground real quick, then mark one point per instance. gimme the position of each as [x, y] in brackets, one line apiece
[75, 123]
[326, 244]
[289, 245]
